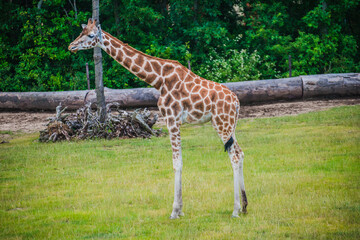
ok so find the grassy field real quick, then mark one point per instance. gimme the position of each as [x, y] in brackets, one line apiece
[302, 175]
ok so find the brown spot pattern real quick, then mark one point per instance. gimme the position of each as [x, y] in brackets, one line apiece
[150, 78]
[181, 73]
[176, 95]
[197, 114]
[195, 97]
[218, 87]
[128, 52]
[176, 108]
[127, 62]
[158, 83]
[203, 92]
[141, 75]
[196, 88]
[170, 121]
[112, 51]
[221, 95]
[119, 57]
[168, 99]
[186, 104]
[171, 81]
[228, 98]
[148, 67]
[199, 106]
[139, 60]
[189, 86]
[167, 69]
[226, 108]
[163, 112]
[206, 100]
[135, 68]
[157, 67]
[213, 96]
[115, 44]
[205, 83]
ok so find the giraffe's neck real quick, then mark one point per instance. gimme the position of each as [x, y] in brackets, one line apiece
[152, 70]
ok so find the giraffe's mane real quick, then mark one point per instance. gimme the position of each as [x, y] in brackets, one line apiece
[140, 52]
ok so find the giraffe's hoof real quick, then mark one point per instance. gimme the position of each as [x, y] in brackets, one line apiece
[177, 215]
[235, 214]
[174, 217]
[243, 209]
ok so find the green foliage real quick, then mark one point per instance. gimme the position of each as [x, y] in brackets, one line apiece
[224, 40]
[237, 66]
[324, 47]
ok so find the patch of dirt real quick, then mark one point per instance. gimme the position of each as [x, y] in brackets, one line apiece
[30, 122]
[293, 108]
[27, 122]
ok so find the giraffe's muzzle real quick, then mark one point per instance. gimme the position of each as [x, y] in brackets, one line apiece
[73, 48]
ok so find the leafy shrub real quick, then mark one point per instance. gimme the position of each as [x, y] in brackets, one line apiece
[237, 66]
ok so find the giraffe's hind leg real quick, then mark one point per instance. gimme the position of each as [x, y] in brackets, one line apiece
[237, 158]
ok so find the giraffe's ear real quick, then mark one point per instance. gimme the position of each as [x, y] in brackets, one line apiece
[83, 26]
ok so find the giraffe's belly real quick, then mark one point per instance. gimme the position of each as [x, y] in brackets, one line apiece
[195, 117]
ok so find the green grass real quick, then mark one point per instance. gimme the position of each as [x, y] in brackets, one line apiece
[6, 132]
[302, 176]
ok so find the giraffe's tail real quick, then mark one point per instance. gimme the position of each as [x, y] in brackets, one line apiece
[229, 143]
[237, 109]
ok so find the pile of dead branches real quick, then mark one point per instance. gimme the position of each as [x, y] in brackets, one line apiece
[85, 124]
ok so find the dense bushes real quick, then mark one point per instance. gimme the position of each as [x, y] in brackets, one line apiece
[223, 40]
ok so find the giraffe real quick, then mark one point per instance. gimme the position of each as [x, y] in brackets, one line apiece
[184, 98]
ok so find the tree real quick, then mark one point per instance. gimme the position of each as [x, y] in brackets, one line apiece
[100, 97]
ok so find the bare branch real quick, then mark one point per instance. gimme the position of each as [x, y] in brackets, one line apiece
[85, 124]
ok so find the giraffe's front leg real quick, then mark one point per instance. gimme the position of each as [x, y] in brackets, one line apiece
[174, 132]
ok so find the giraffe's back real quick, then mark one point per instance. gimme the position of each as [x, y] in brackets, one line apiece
[204, 100]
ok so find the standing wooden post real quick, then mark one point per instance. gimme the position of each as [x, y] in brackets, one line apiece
[189, 66]
[87, 75]
[290, 66]
[100, 97]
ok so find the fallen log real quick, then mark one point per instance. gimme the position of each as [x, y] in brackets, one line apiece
[267, 90]
[331, 85]
[128, 98]
[302, 87]
[41, 100]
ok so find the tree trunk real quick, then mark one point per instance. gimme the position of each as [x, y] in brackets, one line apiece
[100, 97]
[116, 16]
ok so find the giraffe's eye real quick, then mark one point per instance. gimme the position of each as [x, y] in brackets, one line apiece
[91, 36]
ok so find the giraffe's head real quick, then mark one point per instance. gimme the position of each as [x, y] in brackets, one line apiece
[90, 37]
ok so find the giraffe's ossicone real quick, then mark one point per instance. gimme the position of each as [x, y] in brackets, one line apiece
[184, 98]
